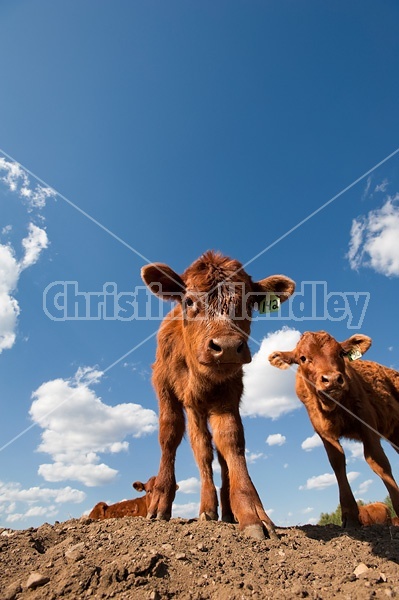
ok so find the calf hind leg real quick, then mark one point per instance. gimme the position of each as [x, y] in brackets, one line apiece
[227, 513]
[201, 443]
[378, 461]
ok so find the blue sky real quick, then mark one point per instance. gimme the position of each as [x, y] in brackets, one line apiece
[181, 127]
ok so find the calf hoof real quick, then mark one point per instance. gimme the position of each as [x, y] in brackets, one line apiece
[271, 531]
[254, 531]
[163, 516]
[228, 519]
[211, 516]
[351, 523]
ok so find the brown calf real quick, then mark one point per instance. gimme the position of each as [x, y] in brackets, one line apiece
[376, 513]
[202, 346]
[127, 508]
[347, 398]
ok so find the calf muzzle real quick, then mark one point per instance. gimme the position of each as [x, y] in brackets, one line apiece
[229, 350]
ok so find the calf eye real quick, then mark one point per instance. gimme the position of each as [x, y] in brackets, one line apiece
[189, 302]
[302, 358]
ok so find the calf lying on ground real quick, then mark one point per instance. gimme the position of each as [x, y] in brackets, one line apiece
[127, 508]
[202, 346]
[376, 513]
[347, 398]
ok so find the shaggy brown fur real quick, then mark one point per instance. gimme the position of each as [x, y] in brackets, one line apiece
[358, 400]
[376, 513]
[127, 508]
[202, 346]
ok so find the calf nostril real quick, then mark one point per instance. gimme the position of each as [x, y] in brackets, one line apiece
[340, 379]
[240, 348]
[324, 379]
[215, 347]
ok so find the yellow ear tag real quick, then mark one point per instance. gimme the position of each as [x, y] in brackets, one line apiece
[354, 354]
[270, 303]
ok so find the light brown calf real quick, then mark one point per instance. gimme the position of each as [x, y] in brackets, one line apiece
[202, 346]
[376, 513]
[127, 508]
[353, 399]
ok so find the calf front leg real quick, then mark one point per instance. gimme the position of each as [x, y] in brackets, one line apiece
[227, 513]
[171, 431]
[349, 507]
[378, 461]
[228, 434]
[201, 443]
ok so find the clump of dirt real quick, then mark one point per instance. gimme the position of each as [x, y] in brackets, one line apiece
[133, 558]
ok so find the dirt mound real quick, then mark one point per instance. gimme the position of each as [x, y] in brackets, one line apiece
[132, 558]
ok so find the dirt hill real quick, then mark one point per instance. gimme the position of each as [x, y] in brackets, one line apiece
[138, 559]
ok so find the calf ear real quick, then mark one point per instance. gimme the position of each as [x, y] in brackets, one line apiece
[279, 285]
[163, 281]
[177, 487]
[138, 486]
[282, 360]
[357, 342]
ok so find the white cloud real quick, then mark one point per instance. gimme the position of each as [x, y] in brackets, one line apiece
[252, 457]
[6, 230]
[17, 180]
[10, 271]
[363, 487]
[374, 240]
[216, 466]
[381, 187]
[367, 188]
[313, 521]
[275, 439]
[189, 486]
[311, 442]
[33, 244]
[320, 482]
[12, 496]
[355, 449]
[78, 427]
[270, 392]
[307, 510]
[186, 511]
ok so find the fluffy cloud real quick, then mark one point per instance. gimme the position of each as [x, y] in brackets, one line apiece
[252, 457]
[307, 510]
[12, 496]
[381, 187]
[275, 439]
[320, 482]
[374, 240]
[10, 271]
[363, 487]
[33, 244]
[355, 449]
[189, 486]
[186, 511]
[269, 392]
[17, 180]
[311, 442]
[78, 427]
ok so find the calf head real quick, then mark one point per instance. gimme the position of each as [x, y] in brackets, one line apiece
[148, 488]
[215, 301]
[323, 363]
